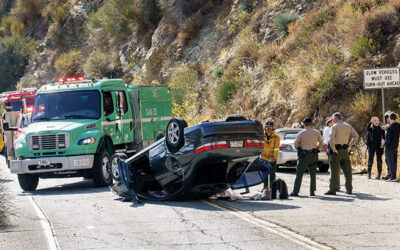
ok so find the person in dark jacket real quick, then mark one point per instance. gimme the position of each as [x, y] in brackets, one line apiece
[374, 141]
[391, 145]
[384, 127]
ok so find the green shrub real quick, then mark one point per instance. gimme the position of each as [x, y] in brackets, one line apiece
[244, 6]
[217, 72]
[366, 46]
[282, 21]
[14, 52]
[183, 84]
[226, 91]
[69, 63]
[12, 26]
[99, 64]
[59, 14]
[29, 11]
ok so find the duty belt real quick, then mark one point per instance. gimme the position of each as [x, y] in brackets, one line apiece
[341, 146]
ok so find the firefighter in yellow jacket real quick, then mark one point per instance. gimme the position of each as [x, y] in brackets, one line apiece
[271, 150]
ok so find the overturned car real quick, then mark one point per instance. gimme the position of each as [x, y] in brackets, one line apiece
[193, 162]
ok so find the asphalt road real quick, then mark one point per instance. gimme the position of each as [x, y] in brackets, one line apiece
[72, 214]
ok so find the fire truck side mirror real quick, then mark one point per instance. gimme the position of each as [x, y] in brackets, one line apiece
[23, 109]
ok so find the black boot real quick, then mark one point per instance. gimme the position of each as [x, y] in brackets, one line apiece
[369, 171]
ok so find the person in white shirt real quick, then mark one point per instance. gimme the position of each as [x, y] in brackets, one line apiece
[327, 131]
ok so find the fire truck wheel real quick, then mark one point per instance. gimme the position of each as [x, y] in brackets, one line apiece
[102, 169]
[28, 182]
[114, 165]
[175, 134]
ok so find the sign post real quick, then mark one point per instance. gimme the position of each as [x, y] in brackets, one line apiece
[382, 79]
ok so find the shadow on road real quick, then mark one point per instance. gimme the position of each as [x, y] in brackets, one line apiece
[5, 180]
[80, 187]
[245, 205]
[351, 198]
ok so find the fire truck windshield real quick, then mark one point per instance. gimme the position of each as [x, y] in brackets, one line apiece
[16, 105]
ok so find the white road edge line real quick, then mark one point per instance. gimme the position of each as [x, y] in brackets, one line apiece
[274, 228]
[46, 225]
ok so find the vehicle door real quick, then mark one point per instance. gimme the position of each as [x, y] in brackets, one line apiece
[124, 116]
[110, 116]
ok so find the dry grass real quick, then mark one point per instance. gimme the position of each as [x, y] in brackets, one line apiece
[363, 107]
[247, 46]
[4, 203]
[189, 28]
[268, 53]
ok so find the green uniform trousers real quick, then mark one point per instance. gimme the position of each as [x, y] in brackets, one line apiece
[338, 161]
[309, 161]
[271, 176]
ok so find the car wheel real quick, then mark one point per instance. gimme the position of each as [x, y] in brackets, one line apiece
[323, 168]
[235, 118]
[102, 169]
[28, 182]
[175, 134]
[114, 165]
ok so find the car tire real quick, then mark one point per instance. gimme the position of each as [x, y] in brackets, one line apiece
[28, 182]
[101, 171]
[323, 168]
[235, 118]
[114, 165]
[175, 134]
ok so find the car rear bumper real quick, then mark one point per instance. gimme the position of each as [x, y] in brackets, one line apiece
[51, 164]
[289, 158]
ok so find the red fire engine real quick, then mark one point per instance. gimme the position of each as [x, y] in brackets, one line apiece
[14, 99]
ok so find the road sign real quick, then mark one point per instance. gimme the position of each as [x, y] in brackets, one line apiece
[381, 78]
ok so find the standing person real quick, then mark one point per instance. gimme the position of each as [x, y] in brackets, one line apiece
[341, 133]
[270, 153]
[308, 143]
[391, 145]
[385, 127]
[325, 136]
[327, 131]
[375, 135]
[275, 120]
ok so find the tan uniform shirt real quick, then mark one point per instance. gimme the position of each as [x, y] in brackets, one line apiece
[309, 139]
[341, 132]
[277, 122]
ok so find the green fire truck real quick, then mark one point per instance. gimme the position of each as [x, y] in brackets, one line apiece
[78, 127]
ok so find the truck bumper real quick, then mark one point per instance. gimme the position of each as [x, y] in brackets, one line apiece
[51, 164]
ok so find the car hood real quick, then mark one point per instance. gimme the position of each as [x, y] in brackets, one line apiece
[57, 126]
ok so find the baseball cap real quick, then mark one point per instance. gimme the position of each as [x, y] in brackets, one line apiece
[268, 123]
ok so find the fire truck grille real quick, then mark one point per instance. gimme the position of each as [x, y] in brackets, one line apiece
[48, 142]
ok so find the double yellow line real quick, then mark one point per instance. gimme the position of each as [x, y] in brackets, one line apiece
[274, 228]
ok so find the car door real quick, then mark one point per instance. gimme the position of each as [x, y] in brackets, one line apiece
[110, 116]
[124, 125]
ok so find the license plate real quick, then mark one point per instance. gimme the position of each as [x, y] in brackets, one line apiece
[44, 163]
[236, 144]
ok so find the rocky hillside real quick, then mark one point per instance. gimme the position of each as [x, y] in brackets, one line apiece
[299, 57]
